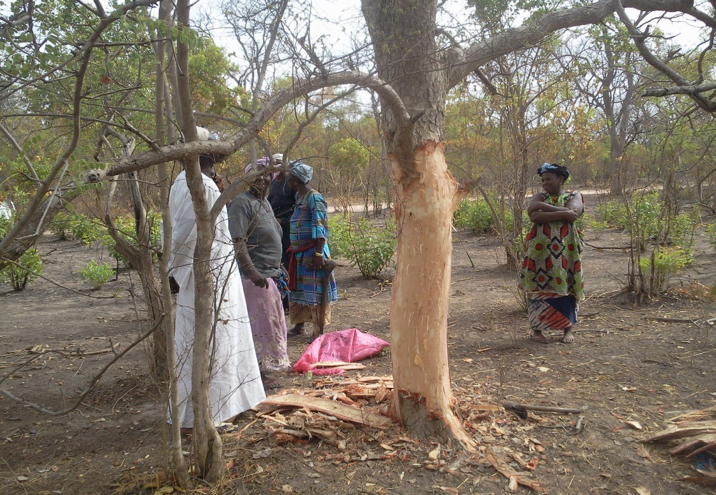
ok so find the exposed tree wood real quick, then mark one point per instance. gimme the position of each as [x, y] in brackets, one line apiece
[683, 430]
[339, 410]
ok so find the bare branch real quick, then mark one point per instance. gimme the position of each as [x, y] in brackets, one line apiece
[639, 40]
[534, 31]
[682, 90]
[269, 108]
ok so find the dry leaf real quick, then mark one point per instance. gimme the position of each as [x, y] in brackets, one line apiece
[513, 485]
[641, 450]
[21, 478]
[287, 489]
[642, 491]
[543, 369]
[634, 424]
[467, 360]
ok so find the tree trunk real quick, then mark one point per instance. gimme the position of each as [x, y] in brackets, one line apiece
[403, 35]
[422, 397]
[207, 442]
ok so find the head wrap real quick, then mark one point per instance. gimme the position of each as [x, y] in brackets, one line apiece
[277, 157]
[261, 164]
[555, 169]
[301, 171]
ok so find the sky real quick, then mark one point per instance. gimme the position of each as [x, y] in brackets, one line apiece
[339, 20]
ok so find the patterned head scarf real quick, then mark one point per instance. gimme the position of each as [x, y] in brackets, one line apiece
[261, 164]
[555, 169]
[301, 171]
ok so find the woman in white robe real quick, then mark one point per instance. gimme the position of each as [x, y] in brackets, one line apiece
[235, 383]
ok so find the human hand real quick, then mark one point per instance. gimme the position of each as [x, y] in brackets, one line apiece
[258, 279]
[173, 285]
[219, 181]
[318, 262]
[571, 216]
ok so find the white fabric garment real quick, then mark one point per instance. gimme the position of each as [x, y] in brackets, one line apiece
[235, 383]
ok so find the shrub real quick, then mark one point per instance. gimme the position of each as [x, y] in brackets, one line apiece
[367, 245]
[61, 225]
[613, 214]
[19, 276]
[663, 264]
[474, 215]
[85, 229]
[97, 274]
[28, 266]
[646, 219]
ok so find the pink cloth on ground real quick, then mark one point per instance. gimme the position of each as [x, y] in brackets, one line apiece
[347, 346]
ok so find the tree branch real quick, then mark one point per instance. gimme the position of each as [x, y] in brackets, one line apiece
[534, 31]
[141, 161]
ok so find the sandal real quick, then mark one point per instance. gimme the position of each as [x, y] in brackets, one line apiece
[224, 428]
[538, 336]
[568, 337]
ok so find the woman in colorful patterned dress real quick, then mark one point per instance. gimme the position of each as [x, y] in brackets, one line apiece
[309, 250]
[551, 273]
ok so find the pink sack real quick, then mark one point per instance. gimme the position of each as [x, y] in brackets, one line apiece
[347, 346]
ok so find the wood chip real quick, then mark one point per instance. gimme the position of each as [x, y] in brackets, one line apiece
[505, 470]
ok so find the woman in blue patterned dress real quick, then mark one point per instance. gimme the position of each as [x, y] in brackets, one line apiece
[309, 250]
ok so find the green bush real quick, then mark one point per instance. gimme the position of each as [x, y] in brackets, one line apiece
[97, 274]
[474, 215]
[613, 214]
[61, 225]
[30, 263]
[367, 245]
[86, 230]
[339, 236]
[666, 262]
[646, 217]
[19, 276]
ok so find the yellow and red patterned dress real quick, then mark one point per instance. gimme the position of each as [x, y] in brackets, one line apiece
[551, 272]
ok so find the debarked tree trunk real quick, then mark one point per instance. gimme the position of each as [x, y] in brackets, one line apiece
[425, 201]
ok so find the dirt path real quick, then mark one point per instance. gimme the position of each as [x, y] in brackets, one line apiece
[627, 365]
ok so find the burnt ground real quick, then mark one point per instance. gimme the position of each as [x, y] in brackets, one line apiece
[632, 365]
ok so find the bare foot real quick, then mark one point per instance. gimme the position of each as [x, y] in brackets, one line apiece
[537, 336]
[568, 337]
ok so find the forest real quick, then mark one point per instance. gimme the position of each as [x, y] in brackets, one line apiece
[425, 123]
